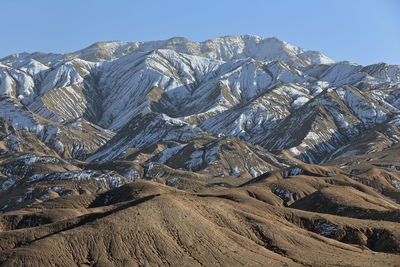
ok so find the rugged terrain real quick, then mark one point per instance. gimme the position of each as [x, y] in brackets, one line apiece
[239, 150]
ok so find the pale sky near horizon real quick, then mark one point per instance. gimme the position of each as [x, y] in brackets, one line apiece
[363, 31]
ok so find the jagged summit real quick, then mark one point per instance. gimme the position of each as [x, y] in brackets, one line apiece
[221, 48]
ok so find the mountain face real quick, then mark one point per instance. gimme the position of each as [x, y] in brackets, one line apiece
[234, 121]
[84, 104]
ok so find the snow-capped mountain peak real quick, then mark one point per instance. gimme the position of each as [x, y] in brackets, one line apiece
[262, 90]
[224, 48]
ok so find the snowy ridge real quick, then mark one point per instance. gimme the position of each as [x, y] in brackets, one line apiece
[222, 48]
[108, 98]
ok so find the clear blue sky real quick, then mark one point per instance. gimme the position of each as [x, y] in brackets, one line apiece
[363, 31]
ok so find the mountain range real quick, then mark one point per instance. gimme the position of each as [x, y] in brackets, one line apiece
[271, 147]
